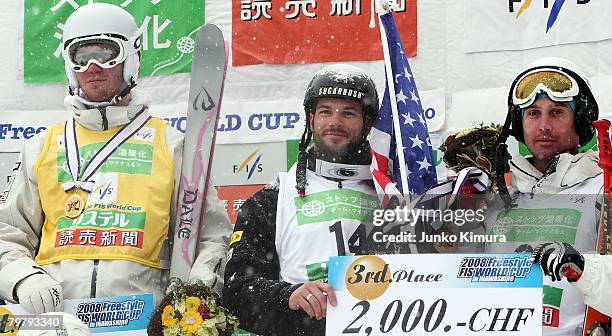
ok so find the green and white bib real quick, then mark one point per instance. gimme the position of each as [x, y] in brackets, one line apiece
[571, 216]
[328, 221]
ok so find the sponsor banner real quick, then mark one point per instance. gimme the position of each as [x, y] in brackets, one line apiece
[245, 164]
[473, 107]
[168, 33]
[105, 219]
[293, 149]
[252, 122]
[233, 197]
[328, 205]
[436, 140]
[129, 158]
[434, 107]
[246, 123]
[117, 315]
[100, 238]
[240, 122]
[551, 310]
[311, 31]
[525, 24]
[18, 126]
[454, 294]
[529, 225]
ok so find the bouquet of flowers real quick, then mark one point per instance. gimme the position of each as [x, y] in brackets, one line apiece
[192, 309]
[474, 147]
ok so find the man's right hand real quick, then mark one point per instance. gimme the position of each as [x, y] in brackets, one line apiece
[40, 293]
[311, 298]
[559, 260]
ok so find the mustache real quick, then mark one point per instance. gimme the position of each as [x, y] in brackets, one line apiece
[334, 130]
[545, 136]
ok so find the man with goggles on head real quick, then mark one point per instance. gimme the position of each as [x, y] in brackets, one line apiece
[92, 202]
[555, 194]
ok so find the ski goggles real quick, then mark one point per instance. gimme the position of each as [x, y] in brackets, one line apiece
[104, 51]
[557, 85]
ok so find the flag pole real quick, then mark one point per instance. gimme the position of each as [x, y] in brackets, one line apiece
[393, 100]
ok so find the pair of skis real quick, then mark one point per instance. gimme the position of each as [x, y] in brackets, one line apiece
[208, 70]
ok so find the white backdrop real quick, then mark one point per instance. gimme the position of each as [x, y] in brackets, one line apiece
[473, 83]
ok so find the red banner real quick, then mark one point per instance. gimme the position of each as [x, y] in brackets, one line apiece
[313, 31]
[234, 196]
[104, 238]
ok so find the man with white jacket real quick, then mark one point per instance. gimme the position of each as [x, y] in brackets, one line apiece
[91, 205]
[556, 193]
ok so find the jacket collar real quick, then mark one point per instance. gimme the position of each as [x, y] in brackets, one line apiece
[564, 171]
[99, 119]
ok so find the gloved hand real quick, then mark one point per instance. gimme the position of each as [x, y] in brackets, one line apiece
[558, 260]
[40, 293]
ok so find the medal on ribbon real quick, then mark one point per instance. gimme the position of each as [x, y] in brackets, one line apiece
[75, 204]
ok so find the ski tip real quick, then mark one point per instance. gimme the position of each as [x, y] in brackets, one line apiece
[210, 36]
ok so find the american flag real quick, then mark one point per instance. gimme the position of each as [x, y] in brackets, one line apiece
[417, 152]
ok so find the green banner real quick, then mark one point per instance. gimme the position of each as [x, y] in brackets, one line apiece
[104, 219]
[317, 271]
[128, 158]
[552, 296]
[528, 225]
[335, 204]
[293, 148]
[168, 29]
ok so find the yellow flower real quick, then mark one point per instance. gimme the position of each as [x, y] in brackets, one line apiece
[192, 303]
[168, 319]
[191, 321]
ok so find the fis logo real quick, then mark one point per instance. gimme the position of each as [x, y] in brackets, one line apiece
[250, 168]
[105, 190]
[146, 134]
[494, 269]
[557, 5]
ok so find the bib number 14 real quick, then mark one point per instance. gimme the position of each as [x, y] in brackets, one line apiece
[356, 238]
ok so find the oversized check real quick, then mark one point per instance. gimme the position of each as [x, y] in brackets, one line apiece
[437, 294]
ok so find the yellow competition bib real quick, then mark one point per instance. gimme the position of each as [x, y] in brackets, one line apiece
[127, 214]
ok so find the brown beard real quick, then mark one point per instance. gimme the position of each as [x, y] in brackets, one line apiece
[351, 153]
[321, 147]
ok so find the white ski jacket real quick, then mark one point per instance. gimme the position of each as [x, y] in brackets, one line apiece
[596, 282]
[21, 220]
[569, 171]
[562, 204]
